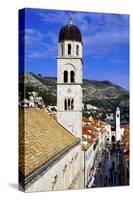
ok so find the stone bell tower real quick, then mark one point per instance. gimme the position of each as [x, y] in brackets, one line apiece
[118, 129]
[69, 79]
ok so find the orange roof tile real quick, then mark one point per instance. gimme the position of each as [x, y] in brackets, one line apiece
[40, 139]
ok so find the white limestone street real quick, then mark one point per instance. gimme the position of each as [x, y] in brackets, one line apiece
[110, 167]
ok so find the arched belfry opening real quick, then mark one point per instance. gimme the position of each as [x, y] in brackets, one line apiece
[72, 76]
[65, 76]
[69, 104]
[72, 104]
[65, 105]
[69, 49]
[77, 50]
[118, 115]
[62, 49]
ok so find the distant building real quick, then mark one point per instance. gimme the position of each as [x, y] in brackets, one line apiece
[33, 101]
[90, 107]
[24, 103]
[33, 93]
[116, 130]
[110, 116]
[38, 101]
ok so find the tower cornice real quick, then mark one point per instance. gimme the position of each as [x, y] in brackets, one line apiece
[72, 57]
[81, 84]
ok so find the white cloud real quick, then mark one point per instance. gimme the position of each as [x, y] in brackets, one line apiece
[40, 45]
[104, 42]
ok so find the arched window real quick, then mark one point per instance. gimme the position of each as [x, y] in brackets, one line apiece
[77, 50]
[72, 76]
[65, 76]
[69, 108]
[68, 104]
[65, 104]
[69, 49]
[72, 104]
[62, 50]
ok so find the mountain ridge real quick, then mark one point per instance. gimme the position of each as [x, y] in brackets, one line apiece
[95, 92]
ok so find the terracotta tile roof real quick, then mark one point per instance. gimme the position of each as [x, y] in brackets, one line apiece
[92, 130]
[41, 138]
[86, 120]
[89, 128]
[125, 140]
[91, 141]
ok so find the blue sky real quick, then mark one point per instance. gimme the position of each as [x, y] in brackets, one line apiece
[105, 43]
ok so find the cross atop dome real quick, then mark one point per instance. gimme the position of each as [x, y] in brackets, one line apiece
[70, 19]
[70, 31]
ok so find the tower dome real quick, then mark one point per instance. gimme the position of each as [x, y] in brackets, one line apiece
[70, 32]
